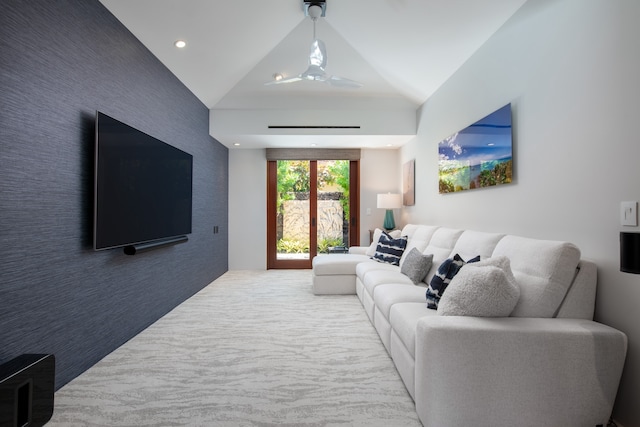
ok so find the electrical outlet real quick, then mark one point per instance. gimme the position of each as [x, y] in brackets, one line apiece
[629, 213]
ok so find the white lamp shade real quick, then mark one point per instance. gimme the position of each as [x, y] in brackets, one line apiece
[389, 201]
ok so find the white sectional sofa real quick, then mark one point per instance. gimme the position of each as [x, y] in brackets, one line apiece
[548, 363]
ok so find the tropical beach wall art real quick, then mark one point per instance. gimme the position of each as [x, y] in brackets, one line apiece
[478, 156]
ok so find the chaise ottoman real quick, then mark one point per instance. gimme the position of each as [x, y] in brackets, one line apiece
[336, 273]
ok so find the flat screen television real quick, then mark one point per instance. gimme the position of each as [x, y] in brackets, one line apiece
[143, 187]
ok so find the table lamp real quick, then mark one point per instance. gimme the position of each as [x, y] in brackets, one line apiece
[389, 202]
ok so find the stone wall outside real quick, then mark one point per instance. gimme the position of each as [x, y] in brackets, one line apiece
[293, 223]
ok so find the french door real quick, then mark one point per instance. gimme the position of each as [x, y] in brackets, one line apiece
[312, 209]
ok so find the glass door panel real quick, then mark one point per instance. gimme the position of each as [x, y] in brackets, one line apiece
[293, 206]
[333, 206]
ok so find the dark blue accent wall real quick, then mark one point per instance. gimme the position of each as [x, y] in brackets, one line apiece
[60, 61]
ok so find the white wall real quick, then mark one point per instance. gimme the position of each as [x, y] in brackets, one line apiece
[571, 70]
[247, 210]
[379, 170]
[248, 201]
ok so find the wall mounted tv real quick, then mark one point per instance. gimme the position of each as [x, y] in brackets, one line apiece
[143, 189]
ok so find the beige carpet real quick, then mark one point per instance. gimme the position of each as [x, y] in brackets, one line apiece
[251, 349]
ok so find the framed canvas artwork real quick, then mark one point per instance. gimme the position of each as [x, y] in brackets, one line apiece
[408, 183]
[478, 156]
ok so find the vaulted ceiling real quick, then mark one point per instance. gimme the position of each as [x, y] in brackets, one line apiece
[400, 50]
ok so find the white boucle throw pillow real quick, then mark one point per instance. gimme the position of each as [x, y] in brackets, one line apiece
[482, 289]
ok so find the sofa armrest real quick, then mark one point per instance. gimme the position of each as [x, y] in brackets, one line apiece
[361, 250]
[516, 371]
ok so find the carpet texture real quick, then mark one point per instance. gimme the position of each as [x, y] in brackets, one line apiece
[251, 349]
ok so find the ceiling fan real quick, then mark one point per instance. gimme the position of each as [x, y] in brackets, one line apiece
[317, 56]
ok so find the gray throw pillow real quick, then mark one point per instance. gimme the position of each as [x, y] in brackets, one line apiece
[416, 265]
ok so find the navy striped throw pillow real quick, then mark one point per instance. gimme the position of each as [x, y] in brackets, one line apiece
[439, 282]
[390, 250]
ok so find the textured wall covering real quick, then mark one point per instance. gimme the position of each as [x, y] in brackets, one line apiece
[59, 63]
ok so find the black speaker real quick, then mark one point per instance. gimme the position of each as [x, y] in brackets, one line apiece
[27, 385]
[630, 252]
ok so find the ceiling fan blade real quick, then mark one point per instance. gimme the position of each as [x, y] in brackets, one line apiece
[342, 82]
[316, 70]
[283, 81]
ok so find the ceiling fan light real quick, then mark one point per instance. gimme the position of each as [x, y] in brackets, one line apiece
[314, 11]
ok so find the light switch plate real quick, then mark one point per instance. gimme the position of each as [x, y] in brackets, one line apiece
[629, 213]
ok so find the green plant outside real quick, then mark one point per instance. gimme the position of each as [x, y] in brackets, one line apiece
[338, 173]
[325, 244]
[286, 246]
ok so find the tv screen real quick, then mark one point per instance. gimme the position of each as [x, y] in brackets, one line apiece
[142, 187]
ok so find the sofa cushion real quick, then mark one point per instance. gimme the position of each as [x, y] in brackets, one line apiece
[363, 268]
[446, 271]
[483, 289]
[544, 270]
[330, 264]
[371, 250]
[389, 294]
[404, 319]
[416, 265]
[389, 250]
[381, 277]
[419, 237]
[472, 243]
[441, 246]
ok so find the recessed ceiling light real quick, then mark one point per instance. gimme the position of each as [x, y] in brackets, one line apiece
[237, 144]
[180, 44]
